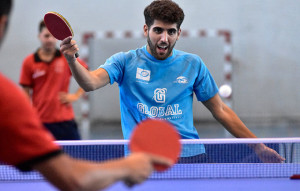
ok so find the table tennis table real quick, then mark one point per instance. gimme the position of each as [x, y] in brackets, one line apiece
[222, 175]
[274, 184]
[277, 184]
[229, 177]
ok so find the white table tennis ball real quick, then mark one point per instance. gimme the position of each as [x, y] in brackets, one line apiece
[225, 91]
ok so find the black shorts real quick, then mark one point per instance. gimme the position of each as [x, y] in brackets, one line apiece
[66, 130]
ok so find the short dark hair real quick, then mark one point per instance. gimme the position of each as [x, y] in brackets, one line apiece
[5, 7]
[163, 10]
[41, 26]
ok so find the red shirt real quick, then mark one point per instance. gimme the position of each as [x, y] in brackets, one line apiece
[23, 139]
[46, 81]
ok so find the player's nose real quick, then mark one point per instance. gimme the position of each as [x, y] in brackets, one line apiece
[164, 36]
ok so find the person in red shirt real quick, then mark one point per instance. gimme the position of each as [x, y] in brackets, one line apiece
[27, 145]
[45, 77]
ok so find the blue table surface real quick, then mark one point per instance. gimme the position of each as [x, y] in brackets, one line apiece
[188, 177]
[230, 184]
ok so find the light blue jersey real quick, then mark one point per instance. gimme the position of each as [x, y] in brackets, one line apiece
[151, 88]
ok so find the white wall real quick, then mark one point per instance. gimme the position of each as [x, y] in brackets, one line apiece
[265, 42]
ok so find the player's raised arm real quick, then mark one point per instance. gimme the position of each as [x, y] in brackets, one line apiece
[89, 81]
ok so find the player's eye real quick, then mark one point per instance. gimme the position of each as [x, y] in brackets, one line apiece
[172, 31]
[157, 30]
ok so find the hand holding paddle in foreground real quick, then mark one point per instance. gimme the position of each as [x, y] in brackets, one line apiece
[140, 166]
[73, 174]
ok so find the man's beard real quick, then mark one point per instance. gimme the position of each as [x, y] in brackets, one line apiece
[155, 54]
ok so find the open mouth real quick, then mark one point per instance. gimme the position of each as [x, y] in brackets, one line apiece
[162, 48]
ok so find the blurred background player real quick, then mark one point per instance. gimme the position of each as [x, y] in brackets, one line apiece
[26, 144]
[45, 77]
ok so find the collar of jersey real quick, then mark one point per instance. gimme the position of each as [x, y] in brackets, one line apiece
[38, 59]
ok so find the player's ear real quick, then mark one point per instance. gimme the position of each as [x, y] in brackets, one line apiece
[146, 30]
[3, 25]
[179, 32]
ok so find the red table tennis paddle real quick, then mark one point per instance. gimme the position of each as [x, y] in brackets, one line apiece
[157, 137]
[58, 26]
[295, 177]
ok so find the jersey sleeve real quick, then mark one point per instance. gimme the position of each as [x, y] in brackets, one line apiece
[23, 140]
[114, 67]
[205, 86]
[26, 72]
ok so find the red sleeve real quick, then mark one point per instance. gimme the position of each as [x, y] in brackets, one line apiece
[22, 137]
[26, 72]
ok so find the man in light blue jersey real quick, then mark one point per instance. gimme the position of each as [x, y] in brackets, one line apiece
[158, 81]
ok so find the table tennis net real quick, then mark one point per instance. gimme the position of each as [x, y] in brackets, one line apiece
[223, 158]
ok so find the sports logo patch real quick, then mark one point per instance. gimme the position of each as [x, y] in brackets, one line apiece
[38, 73]
[181, 80]
[143, 74]
[160, 95]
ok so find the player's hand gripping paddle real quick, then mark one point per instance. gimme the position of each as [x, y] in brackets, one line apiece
[58, 26]
[156, 137]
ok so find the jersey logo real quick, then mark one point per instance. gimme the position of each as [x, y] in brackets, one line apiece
[181, 80]
[38, 73]
[160, 95]
[166, 112]
[143, 74]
